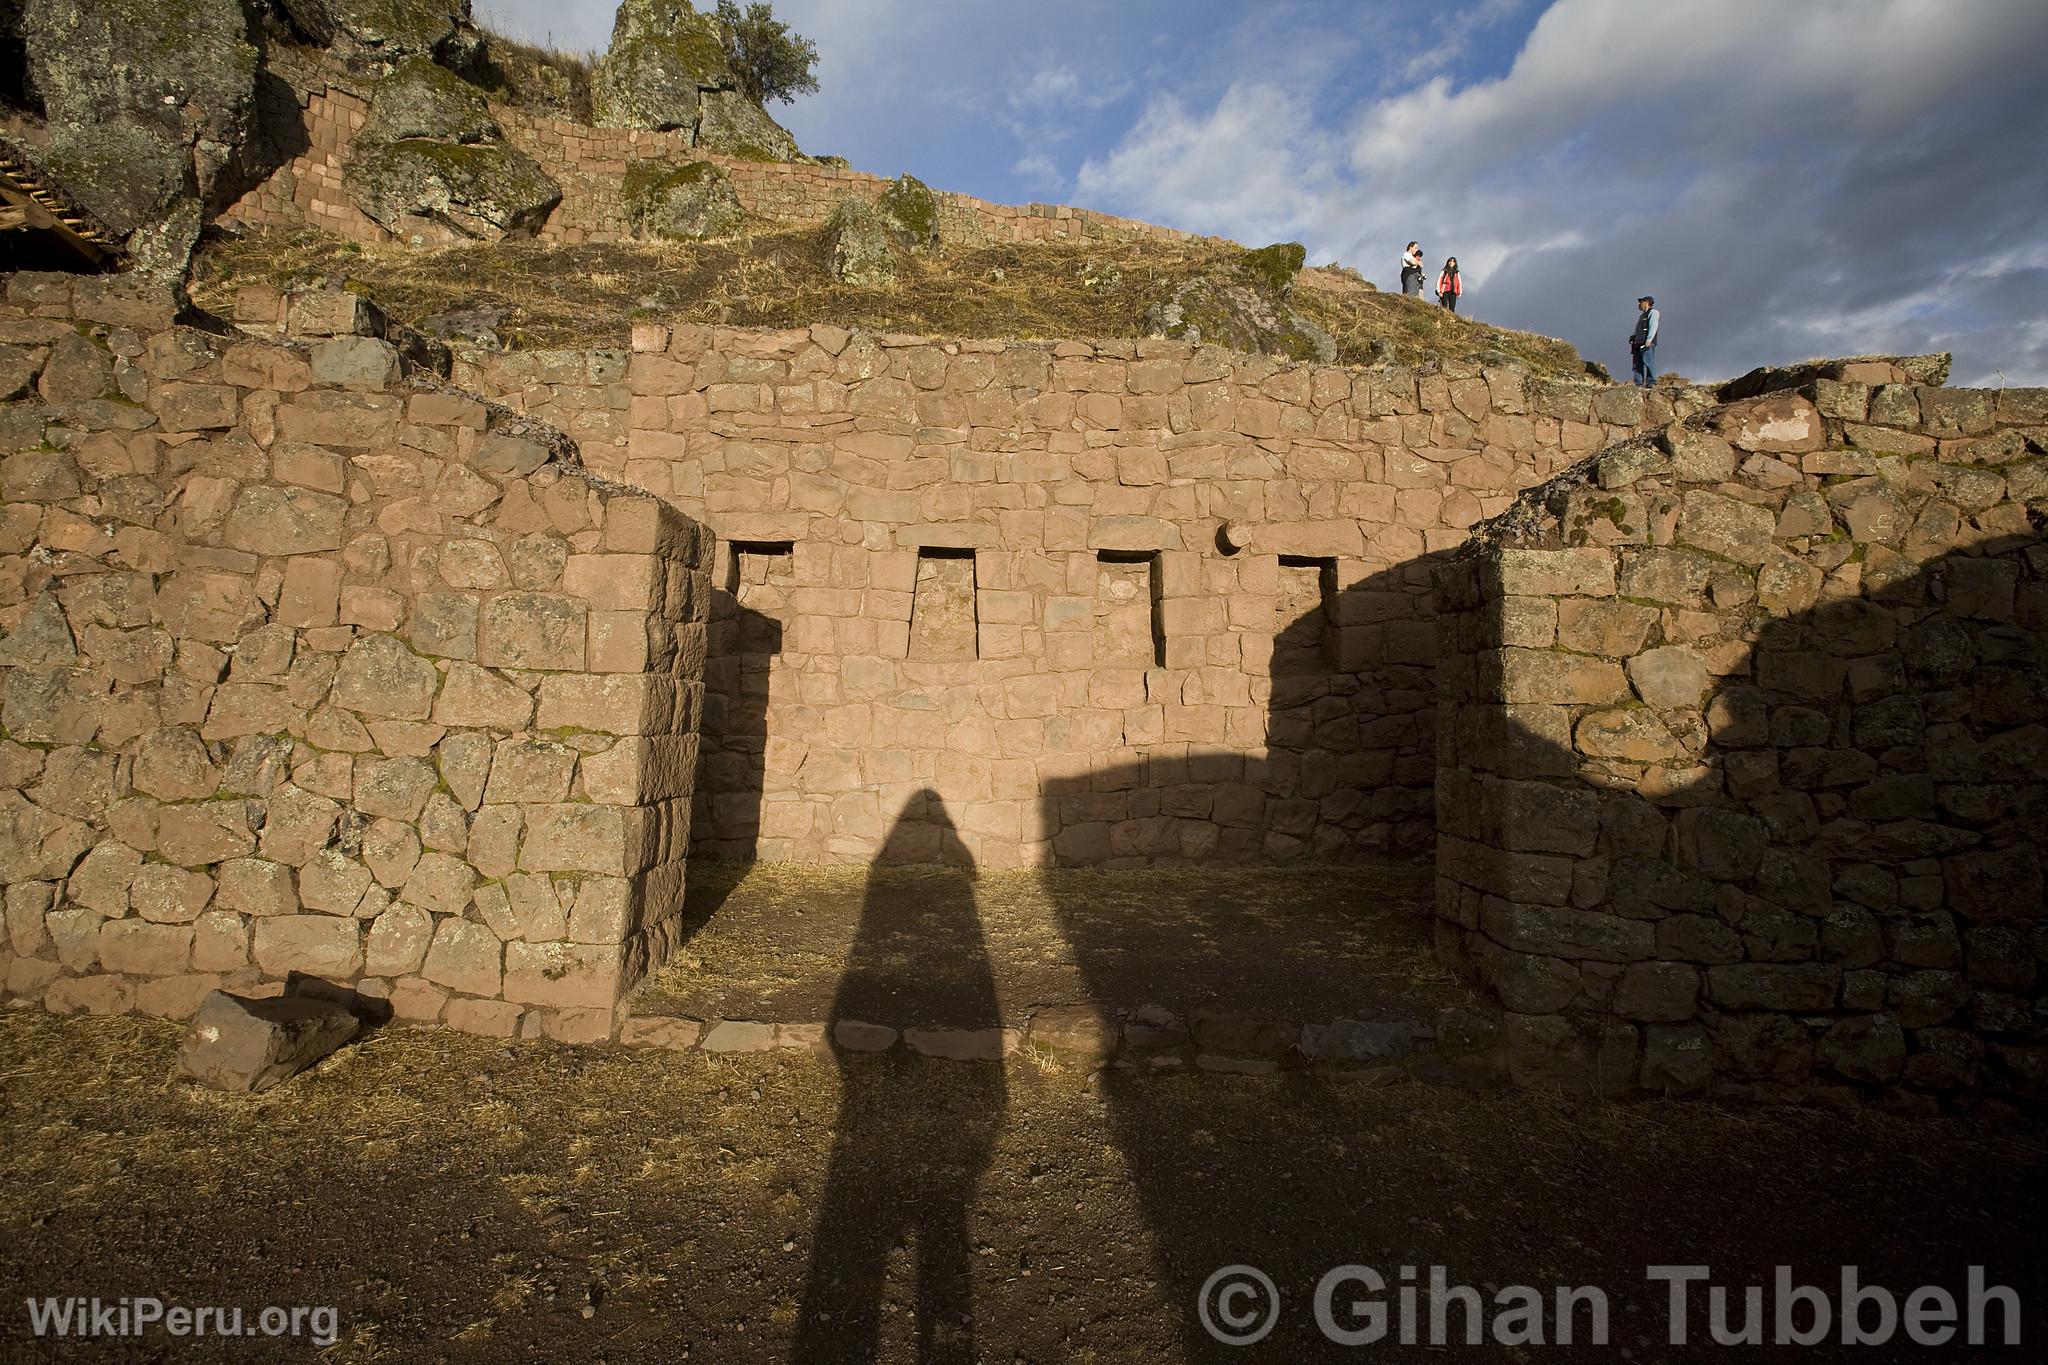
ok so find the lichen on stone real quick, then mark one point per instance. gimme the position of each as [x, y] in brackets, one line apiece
[476, 189]
[685, 202]
[421, 99]
[913, 211]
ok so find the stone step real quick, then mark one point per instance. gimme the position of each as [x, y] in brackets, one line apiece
[1457, 1045]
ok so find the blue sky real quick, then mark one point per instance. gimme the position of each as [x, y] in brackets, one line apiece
[1790, 180]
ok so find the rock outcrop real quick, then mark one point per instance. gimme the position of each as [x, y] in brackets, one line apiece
[431, 164]
[148, 105]
[666, 70]
[870, 241]
[681, 203]
[387, 30]
[1245, 308]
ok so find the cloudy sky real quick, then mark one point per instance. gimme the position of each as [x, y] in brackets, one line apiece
[1789, 179]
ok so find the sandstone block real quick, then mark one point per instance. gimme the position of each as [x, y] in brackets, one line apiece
[532, 630]
[1587, 572]
[245, 1045]
[325, 946]
[566, 974]
[1545, 676]
[143, 949]
[465, 957]
[379, 676]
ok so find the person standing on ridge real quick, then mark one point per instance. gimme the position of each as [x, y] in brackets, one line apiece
[1450, 284]
[1642, 343]
[1411, 270]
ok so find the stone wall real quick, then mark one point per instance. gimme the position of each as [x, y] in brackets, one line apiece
[590, 164]
[1742, 766]
[999, 570]
[313, 668]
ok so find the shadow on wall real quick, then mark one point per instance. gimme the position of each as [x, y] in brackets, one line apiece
[741, 645]
[909, 1146]
[1820, 870]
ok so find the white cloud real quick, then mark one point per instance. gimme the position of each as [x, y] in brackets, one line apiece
[1838, 175]
[1254, 165]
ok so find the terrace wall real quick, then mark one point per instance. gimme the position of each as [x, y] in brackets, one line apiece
[590, 163]
[1741, 758]
[313, 668]
[1187, 590]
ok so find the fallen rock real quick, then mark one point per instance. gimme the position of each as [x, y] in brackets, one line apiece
[246, 1045]
[681, 203]
[430, 164]
[420, 99]
[868, 241]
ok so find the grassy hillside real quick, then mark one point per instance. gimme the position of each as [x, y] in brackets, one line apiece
[557, 296]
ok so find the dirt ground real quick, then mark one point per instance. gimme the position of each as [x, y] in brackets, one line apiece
[788, 942]
[458, 1200]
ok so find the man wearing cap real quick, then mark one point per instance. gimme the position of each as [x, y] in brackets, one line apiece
[1642, 343]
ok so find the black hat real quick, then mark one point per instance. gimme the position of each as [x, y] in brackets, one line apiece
[1647, 299]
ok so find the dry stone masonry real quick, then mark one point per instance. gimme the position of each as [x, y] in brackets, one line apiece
[592, 166]
[1116, 602]
[1741, 753]
[311, 667]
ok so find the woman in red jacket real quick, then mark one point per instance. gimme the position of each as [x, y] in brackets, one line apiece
[1450, 284]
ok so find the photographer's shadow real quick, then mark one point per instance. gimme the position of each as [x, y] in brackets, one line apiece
[913, 1137]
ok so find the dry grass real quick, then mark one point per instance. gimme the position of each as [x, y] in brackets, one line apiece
[463, 1200]
[563, 296]
[542, 77]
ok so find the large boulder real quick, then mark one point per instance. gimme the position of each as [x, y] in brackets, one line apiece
[148, 105]
[1244, 306]
[666, 70]
[869, 242]
[863, 244]
[431, 191]
[681, 203]
[387, 30]
[421, 99]
[662, 54]
[731, 123]
[430, 165]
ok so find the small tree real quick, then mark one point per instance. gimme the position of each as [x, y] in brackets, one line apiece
[771, 62]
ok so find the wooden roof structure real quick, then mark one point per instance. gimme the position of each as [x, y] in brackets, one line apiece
[32, 200]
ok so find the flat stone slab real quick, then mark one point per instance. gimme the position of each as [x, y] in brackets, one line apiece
[245, 1045]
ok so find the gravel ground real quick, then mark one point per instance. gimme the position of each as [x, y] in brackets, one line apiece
[454, 1199]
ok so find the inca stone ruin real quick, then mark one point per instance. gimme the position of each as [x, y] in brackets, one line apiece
[432, 673]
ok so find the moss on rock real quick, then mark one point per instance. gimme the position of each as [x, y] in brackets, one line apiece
[130, 88]
[686, 202]
[662, 54]
[913, 211]
[1274, 267]
[863, 244]
[421, 99]
[478, 190]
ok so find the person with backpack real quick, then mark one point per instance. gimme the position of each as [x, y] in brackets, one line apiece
[1642, 343]
[1450, 284]
[1411, 270]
